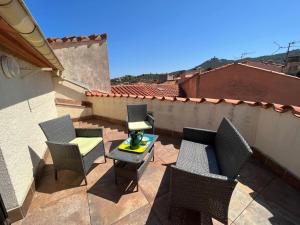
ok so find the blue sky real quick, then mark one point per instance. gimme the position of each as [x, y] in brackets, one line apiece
[168, 35]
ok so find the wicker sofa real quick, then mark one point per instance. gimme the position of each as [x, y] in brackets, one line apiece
[205, 173]
[72, 148]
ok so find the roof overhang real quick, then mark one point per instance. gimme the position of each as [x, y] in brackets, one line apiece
[20, 34]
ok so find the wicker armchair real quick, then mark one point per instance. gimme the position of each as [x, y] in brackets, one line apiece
[70, 148]
[205, 173]
[139, 119]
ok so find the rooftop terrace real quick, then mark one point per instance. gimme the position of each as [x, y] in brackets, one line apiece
[259, 198]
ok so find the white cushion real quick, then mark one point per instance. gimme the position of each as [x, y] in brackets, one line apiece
[141, 125]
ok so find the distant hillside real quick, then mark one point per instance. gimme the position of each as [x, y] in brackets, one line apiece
[206, 65]
[145, 78]
[215, 62]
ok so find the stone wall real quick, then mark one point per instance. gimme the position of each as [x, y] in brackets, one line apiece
[276, 135]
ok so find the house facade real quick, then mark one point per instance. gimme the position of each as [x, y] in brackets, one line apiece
[244, 82]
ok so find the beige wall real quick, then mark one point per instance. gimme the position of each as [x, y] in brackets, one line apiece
[24, 103]
[66, 90]
[277, 135]
[85, 62]
[74, 111]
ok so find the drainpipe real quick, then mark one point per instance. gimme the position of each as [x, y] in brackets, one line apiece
[16, 14]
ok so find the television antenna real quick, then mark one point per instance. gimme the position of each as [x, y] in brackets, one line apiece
[243, 54]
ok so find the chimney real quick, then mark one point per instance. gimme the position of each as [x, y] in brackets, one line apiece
[293, 66]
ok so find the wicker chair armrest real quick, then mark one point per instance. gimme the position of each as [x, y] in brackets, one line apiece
[199, 135]
[65, 156]
[209, 193]
[217, 184]
[89, 132]
[63, 149]
[150, 119]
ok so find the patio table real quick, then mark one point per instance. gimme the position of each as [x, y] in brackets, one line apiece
[132, 165]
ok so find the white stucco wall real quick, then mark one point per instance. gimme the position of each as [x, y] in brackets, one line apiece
[24, 103]
[85, 62]
[66, 90]
[277, 135]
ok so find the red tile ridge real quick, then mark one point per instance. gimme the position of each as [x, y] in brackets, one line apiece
[233, 101]
[199, 100]
[159, 97]
[296, 110]
[170, 98]
[266, 105]
[251, 103]
[149, 97]
[277, 107]
[213, 100]
[181, 99]
[73, 39]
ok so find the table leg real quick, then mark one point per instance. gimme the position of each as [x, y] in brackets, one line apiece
[116, 181]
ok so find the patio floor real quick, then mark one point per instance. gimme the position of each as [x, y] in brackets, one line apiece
[259, 198]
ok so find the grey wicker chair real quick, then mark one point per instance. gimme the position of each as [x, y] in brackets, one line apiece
[72, 148]
[205, 173]
[139, 119]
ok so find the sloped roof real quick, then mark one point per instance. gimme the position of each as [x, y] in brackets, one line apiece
[265, 65]
[167, 90]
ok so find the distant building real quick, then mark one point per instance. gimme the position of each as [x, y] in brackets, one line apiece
[293, 65]
[244, 82]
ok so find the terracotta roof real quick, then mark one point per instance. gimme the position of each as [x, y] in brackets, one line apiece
[265, 65]
[74, 39]
[295, 110]
[167, 90]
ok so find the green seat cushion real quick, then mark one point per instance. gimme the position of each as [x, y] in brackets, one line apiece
[86, 144]
[141, 125]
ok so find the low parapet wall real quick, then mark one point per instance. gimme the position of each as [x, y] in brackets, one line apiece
[273, 132]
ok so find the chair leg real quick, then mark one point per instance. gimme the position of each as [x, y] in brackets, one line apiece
[55, 174]
[85, 180]
[104, 158]
[170, 213]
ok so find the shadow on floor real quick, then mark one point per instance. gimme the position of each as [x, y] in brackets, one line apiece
[161, 206]
[106, 188]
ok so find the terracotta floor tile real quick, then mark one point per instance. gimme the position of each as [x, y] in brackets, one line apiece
[72, 211]
[240, 199]
[50, 190]
[283, 195]
[179, 216]
[155, 180]
[255, 176]
[109, 203]
[259, 197]
[142, 216]
[262, 212]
